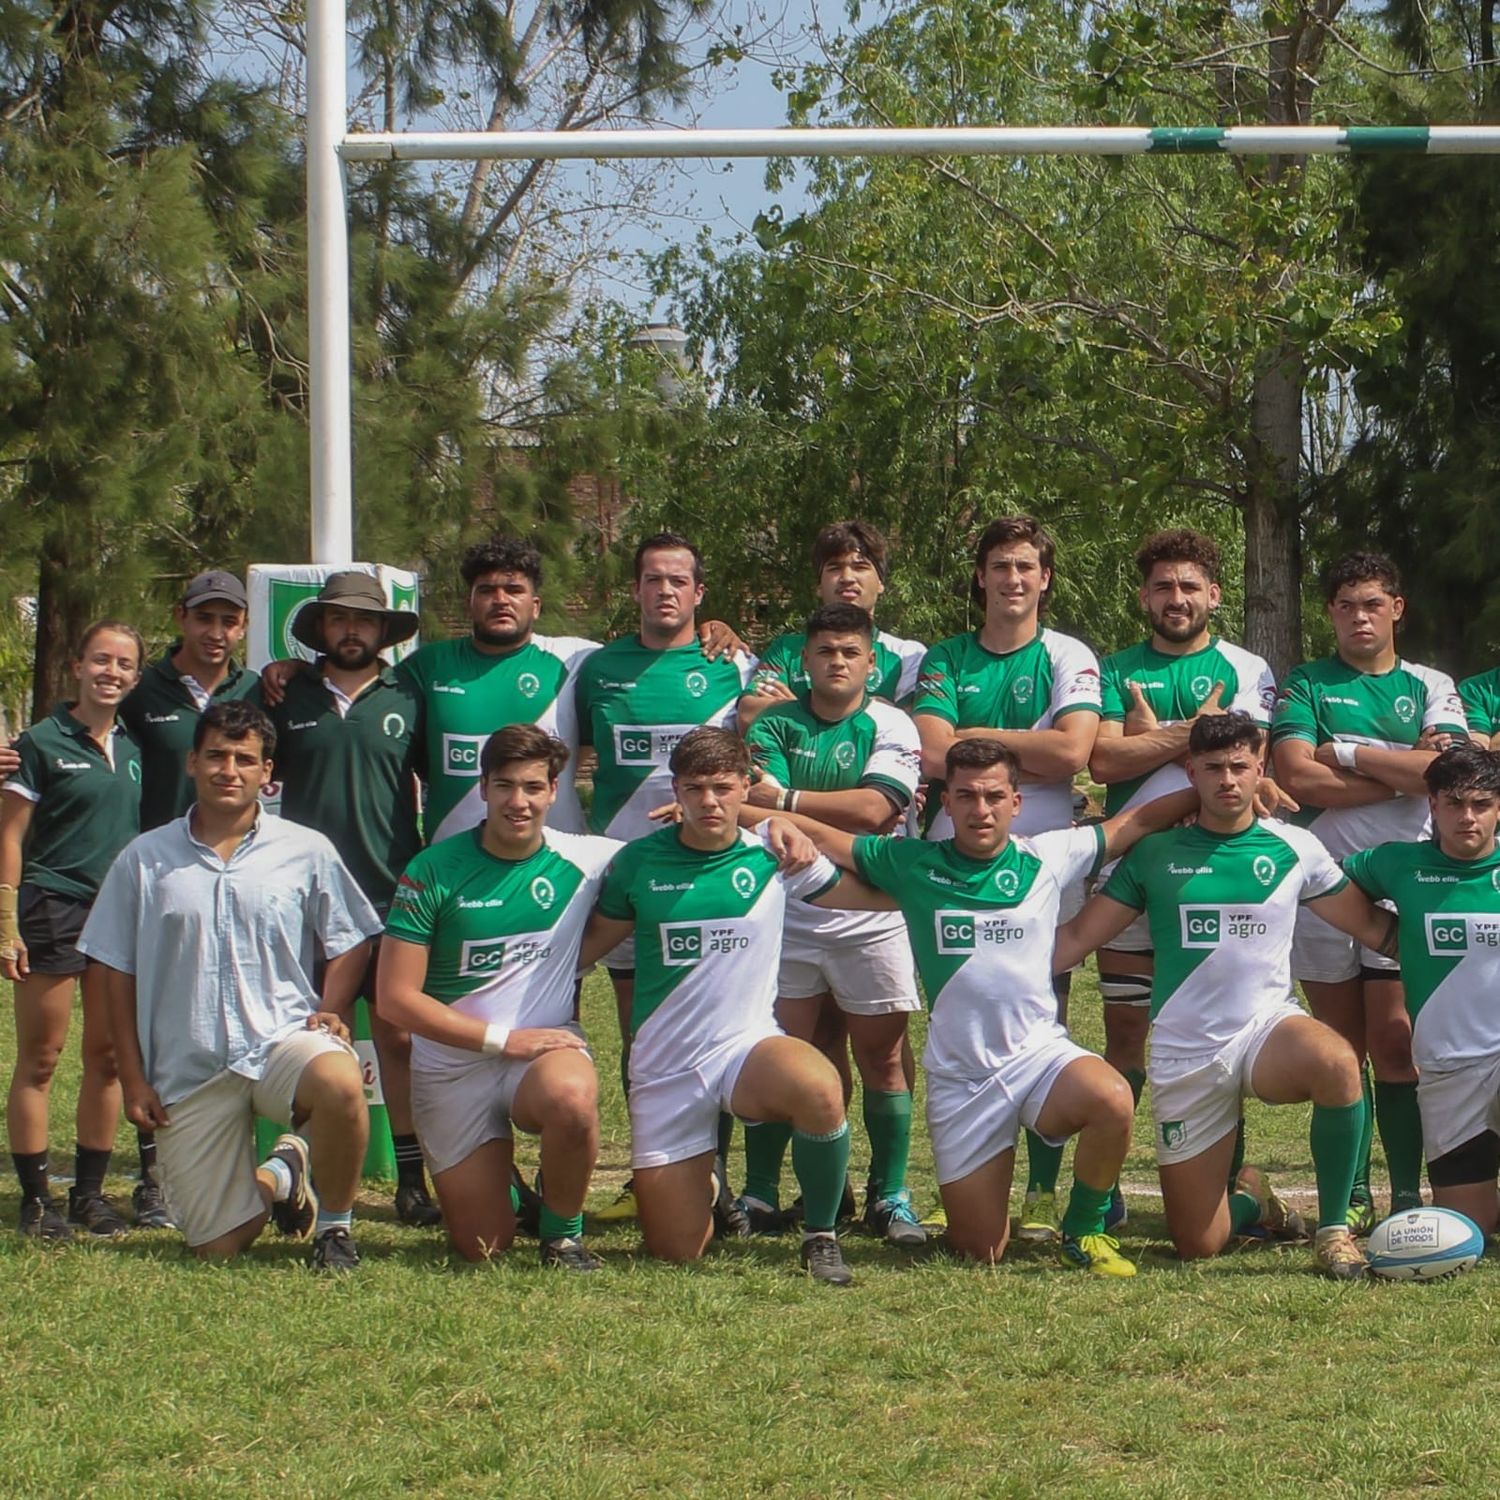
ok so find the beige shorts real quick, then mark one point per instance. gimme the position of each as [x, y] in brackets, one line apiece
[876, 978]
[206, 1156]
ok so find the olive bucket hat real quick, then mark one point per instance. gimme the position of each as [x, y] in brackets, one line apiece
[359, 591]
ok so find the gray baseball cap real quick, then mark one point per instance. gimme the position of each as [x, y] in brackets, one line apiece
[215, 584]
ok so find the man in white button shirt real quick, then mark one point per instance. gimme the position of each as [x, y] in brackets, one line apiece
[209, 928]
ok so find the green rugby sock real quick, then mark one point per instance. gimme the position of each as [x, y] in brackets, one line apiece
[1336, 1136]
[1361, 1189]
[1400, 1123]
[888, 1125]
[1085, 1212]
[1136, 1078]
[765, 1150]
[556, 1227]
[1244, 1210]
[1043, 1163]
[821, 1163]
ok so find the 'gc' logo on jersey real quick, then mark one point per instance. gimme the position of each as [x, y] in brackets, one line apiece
[1451, 934]
[681, 944]
[481, 957]
[955, 931]
[1200, 926]
[461, 754]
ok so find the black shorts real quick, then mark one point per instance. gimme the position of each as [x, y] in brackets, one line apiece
[50, 925]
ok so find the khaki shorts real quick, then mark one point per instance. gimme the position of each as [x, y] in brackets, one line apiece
[206, 1156]
[876, 978]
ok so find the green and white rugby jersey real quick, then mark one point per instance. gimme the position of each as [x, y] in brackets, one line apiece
[707, 943]
[1176, 687]
[1222, 909]
[876, 747]
[893, 677]
[1449, 926]
[1480, 696]
[982, 932]
[1330, 700]
[467, 695]
[503, 935]
[634, 704]
[1029, 688]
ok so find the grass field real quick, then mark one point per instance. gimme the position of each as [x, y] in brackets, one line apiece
[126, 1368]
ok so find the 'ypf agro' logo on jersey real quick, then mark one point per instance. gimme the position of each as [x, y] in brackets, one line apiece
[543, 892]
[967, 931]
[648, 744]
[461, 754]
[684, 944]
[1208, 926]
[1452, 934]
[481, 957]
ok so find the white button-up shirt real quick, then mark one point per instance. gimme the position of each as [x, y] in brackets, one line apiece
[223, 950]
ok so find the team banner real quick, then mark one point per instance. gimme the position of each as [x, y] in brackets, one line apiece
[278, 590]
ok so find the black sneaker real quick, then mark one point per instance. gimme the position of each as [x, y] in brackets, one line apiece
[824, 1261]
[527, 1203]
[414, 1205]
[762, 1220]
[95, 1213]
[731, 1221]
[149, 1205]
[40, 1220]
[296, 1216]
[334, 1250]
[570, 1255]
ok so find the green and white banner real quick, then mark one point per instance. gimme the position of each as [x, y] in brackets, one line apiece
[278, 590]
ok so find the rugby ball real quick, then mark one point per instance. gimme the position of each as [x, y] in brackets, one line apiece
[1424, 1244]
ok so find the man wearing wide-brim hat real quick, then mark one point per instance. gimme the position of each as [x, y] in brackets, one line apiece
[348, 737]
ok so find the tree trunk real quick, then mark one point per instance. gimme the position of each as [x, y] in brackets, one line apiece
[61, 618]
[1272, 511]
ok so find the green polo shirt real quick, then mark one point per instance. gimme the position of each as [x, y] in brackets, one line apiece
[84, 810]
[161, 715]
[349, 775]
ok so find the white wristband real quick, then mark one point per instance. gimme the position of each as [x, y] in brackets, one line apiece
[1343, 753]
[495, 1038]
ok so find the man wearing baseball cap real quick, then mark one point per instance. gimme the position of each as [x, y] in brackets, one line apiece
[347, 737]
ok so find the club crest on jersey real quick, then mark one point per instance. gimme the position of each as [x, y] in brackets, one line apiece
[1494, 874]
[843, 756]
[1007, 882]
[1201, 687]
[1022, 689]
[1263, 867]
[744, 882]
[696, 683]
[1406, 709]
[135, 776]
[543, 892]
[528, 684]
[1174, 1134]
[393, 726]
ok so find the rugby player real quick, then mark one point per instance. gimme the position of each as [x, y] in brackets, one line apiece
[850, 760]
[1351, 738]
[1222, 897]
[1480, 696]
[1151, 695]
[209, 927]
[1446, 891]
[72, 804]
[347, 748]
[1036, 692]
[635, 699]
[704, 901]
[478, 964]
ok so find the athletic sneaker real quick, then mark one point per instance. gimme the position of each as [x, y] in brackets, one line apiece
[892, 1219]
[622, 1210]
[1096, 1253]
[149, 1205]
[40, 1220]
[527, 1203]
[824, 1261]
[95, 1213]
[935, 1220]
[414, 1206]
[762, 1220]
[570, 1255]
[1036, 1224]
[1276, 1218]
[334, 1250]
[1361, 1216]
[296, 1216]
[731, 1222]
[1117, 1214]
[1338, 1256]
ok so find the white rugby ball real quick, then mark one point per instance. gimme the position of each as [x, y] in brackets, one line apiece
[1424, 1244]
